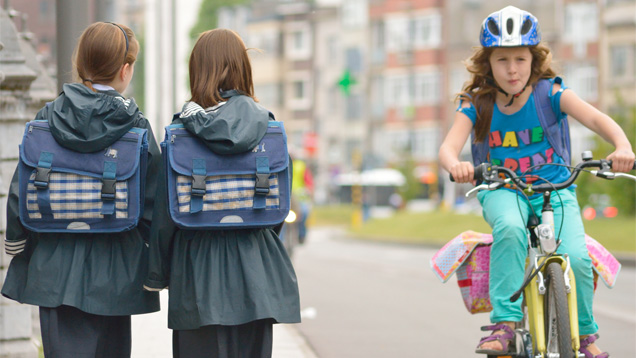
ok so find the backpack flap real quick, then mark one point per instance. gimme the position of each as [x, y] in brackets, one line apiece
[214, 191]
[69, 191]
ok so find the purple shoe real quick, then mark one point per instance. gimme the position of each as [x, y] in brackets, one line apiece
[586, 342]
[505, 339]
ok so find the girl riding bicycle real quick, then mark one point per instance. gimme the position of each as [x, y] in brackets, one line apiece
[498, 106]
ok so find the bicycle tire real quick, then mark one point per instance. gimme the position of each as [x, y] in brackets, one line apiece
[557, 316]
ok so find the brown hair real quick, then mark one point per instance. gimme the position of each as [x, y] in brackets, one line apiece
[219, 61]
[101, 51]
[481, 91]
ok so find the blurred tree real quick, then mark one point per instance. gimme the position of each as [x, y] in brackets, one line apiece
[621, 191]
[139, 80]
[412, 187]
[208, 18]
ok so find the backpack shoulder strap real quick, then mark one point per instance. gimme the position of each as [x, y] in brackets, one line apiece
[558, 134]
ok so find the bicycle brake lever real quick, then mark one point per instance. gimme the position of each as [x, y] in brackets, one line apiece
[612, 175]
[491, 186]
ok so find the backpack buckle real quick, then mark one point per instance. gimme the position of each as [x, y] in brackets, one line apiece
[198, 185]
[261, 186]
[108, 189]
[42, 177]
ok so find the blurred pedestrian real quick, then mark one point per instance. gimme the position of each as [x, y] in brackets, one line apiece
[88, 285]
[227, 288]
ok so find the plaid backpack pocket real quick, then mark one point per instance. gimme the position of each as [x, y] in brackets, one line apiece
[62, 190]
[213, 191]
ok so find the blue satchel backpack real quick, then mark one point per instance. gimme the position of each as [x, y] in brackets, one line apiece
[62, 190]
[214, 191]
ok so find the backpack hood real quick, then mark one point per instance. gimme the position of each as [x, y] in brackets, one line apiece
[235, 127]
[87, 121]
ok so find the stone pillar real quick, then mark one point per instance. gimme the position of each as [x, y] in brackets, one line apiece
[24, 87]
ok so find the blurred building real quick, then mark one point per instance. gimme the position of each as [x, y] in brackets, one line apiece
[363, 84]
[617, 62]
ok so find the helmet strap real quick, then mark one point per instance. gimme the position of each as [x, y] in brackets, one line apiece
[512, 98]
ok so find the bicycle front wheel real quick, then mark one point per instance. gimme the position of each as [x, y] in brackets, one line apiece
[557, 316]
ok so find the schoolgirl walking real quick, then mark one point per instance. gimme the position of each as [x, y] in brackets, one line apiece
[226, 287]
[77, 227]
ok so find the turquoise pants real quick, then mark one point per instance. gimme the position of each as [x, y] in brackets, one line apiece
[508, 217]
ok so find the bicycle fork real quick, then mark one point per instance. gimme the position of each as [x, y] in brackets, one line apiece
[540, 256]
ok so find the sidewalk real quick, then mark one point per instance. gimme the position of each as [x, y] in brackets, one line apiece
[153, 339]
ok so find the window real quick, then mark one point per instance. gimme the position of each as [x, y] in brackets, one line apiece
[583, 79]
[332, 49]
[377, 42]
[353, 59]
[354, 107]
[235, 18]
[377, 97]
[298, 89]
[427, 31]
[354, 13]
[398, 91]
[621, 56]
[427, 88]
[425, 144]
[581, 22]
[267, 42]
[397, 31]
[298, 42]
[268, 94]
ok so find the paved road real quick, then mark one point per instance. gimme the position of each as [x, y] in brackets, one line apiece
[369, 300]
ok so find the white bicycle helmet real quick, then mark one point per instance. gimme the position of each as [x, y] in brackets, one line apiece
[510, 27]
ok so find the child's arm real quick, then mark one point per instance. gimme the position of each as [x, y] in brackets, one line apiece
[601, 124]
[452, 146]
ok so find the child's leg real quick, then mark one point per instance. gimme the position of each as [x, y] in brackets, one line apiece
[573, 243]
[252, 339]
[69, 332]
[508, 252]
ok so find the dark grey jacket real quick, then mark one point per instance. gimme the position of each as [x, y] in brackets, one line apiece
[96, 273]
[227, 277]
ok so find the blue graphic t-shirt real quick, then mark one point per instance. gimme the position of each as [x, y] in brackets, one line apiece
[517, 142]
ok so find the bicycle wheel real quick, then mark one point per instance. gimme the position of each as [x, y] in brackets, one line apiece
[557, 316]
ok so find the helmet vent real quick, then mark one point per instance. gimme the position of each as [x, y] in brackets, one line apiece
[527, 25]
[492, 27]
[509, 26]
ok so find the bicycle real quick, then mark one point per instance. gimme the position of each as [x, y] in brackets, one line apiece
[549, 328]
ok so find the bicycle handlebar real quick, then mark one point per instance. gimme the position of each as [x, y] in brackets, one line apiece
[489, 173]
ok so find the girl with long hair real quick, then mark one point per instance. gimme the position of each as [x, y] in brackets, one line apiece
[498, 107]
[88, 285]
[227, 288]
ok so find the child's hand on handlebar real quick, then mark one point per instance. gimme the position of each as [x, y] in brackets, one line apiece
[463, 172]
[622, 160]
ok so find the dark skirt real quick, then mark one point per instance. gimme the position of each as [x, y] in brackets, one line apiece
[250, 340]
[230, 278]
[97, 273]
[70, 333]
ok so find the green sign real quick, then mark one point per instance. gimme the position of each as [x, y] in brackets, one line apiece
[346, 81]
